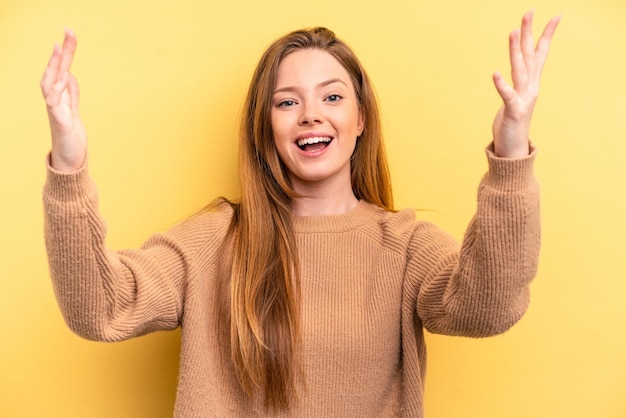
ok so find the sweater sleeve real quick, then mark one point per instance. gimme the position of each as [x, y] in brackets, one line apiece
[106, 295]
[483, 288]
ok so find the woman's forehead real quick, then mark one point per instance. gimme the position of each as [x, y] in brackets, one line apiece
[310, 68]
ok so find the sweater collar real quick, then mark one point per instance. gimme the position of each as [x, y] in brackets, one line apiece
[358, 216]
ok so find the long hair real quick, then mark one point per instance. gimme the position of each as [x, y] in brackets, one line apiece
[265, 274]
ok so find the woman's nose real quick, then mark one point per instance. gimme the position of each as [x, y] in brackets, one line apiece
[311, 115]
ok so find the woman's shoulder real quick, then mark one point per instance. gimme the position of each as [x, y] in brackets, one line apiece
[399, 221]
[210, 224]
[398, 227]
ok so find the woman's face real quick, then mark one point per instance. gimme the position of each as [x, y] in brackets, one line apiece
[315, 118]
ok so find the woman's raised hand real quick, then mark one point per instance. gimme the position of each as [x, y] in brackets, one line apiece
[61, 93]
[512, 123]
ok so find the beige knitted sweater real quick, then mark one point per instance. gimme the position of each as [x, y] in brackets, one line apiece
[372, 281]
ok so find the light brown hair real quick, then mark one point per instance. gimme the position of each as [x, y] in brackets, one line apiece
[265, 276]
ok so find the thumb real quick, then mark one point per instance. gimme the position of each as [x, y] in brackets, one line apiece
[53, 96]
[506, 92]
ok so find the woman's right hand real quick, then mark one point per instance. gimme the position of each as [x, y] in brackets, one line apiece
[61, 93]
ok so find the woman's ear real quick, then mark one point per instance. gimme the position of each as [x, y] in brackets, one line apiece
[361, 123]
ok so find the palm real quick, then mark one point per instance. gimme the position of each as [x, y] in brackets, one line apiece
[512, 123]
[61, 93]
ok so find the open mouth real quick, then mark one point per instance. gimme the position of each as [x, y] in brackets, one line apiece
[314, 143]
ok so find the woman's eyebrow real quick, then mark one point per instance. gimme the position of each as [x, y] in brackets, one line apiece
[322, 84]
[332, 81]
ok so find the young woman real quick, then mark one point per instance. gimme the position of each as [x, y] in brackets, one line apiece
[309, 296]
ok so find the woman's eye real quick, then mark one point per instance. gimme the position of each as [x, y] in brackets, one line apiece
[333, 98]
[286, 103]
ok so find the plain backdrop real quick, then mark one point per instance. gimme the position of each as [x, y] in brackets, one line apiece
[162, 85]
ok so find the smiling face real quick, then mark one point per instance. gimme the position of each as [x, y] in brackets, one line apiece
[315, 119]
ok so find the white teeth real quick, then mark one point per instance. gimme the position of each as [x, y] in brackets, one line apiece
[313, 140]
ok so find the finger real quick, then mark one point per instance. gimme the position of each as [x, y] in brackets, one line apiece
[69, 47]
[506, 92]
[527, 44]
[74, 92]
[518, 65]
[543, 45]
[51, 72]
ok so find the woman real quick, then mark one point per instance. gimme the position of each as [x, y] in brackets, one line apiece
[309, 296]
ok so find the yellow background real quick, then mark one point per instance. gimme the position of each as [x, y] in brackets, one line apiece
[162, 86]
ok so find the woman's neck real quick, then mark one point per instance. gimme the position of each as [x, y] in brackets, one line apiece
[324, 199]
[324, 206]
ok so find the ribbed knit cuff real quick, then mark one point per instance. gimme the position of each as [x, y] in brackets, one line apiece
[507, 174]
[67, 187]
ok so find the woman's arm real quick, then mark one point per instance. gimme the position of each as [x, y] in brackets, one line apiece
[482, 289]
[103, 294]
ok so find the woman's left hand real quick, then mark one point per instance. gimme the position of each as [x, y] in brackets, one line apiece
[512, 123]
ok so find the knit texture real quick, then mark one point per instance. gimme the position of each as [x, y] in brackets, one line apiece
[372, 281]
